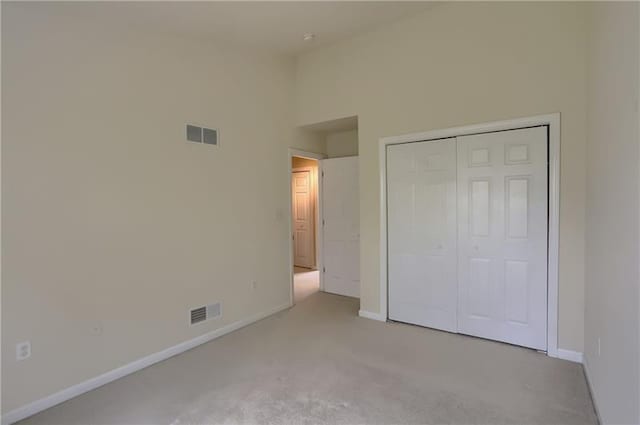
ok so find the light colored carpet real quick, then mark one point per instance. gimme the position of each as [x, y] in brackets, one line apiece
[305, 283]
[320, 363]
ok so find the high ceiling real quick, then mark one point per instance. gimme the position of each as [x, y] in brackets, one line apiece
[274, 27]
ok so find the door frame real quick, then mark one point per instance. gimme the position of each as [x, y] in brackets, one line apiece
[314, 207]
[551, 120]
[291, 152]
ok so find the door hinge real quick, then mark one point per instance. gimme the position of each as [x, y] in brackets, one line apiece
[323, 222]
[322, 174]
[324, 270]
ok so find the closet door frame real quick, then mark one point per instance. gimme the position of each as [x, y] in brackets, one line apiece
[553, 123]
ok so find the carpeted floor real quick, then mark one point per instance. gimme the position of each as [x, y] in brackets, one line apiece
[305, 283]
[320, 363]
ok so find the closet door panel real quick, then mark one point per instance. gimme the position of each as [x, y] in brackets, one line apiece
[421, 215]
[502, 236]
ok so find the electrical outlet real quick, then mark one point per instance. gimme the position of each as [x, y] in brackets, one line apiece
[254, 284]
[23, 350]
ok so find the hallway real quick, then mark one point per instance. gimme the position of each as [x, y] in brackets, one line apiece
[305, 283]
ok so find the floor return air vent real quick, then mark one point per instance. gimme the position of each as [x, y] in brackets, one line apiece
[200, 314]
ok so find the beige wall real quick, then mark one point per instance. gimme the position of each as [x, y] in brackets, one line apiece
[106, 208]
[110, 218]
[342, 143]
[457, 64]
[613, 213]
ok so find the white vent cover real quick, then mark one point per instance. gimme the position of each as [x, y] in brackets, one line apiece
[200, 314]
[204, 135]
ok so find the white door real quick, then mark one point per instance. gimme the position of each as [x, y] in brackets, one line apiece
[303, 218]
[341, 229]
[502, 236]
[421, 214]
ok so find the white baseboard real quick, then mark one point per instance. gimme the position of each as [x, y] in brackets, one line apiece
[373, 316]
[572, 356]
[98, 381]
[591, 389]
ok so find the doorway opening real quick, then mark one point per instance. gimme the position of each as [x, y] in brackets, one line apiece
[305, 217]
[324, 193]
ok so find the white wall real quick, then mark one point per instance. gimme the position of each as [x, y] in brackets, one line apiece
[110, 218]
[458, 64]
[613, 213]
[342, 143]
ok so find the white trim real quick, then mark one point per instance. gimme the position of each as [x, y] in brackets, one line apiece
[319, 240]
[98, 381]
[553, 121]
[554, 234]
[572, 356]
[373, 316]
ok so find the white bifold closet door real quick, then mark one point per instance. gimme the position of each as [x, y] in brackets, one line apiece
[421, 179]
[467, 235]
[502, 236]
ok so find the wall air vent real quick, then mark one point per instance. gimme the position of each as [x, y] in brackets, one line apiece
[194, 134]
[210, 136]
[200, 314]
[204, 135]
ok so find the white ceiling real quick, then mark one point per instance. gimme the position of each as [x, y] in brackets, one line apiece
[274, 27]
